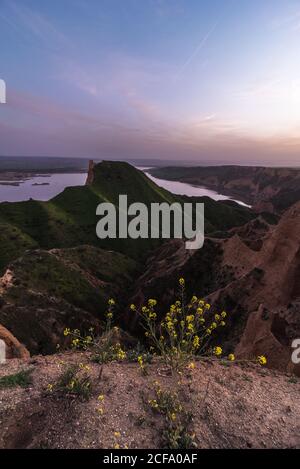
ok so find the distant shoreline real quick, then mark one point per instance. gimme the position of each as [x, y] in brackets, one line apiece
[18, 177]
[44, 164]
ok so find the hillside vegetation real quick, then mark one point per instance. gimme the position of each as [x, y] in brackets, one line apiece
[69, 219]
[45, 291]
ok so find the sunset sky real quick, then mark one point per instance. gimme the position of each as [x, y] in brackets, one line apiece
[190, 80]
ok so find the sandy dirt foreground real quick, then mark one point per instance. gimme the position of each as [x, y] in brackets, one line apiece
[237, 406]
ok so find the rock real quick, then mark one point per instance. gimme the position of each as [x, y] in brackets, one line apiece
[14, 349]
[90, 176]
[253, 275]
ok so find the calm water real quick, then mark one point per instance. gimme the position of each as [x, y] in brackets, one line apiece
[28, 189]
[181, 188]
[56, 183]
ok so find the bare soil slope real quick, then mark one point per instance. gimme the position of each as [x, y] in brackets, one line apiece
[240, 406]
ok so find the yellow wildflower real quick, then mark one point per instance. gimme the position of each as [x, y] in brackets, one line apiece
[262, 360]
[152, 303]
[218, 351]
[84, 367]
[181, 282]
[75, 342]
[153, 403]
[121, 354]
[196, 342]
[152, 315]
[190, 318]
[231, 357]
[140, 361]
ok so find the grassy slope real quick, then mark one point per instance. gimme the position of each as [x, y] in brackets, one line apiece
[84, 277]
[69, 219]
[51, 290]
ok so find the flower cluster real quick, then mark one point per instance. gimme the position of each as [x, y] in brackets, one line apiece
[141, 363]
[100, 406]
[73, 381]
[78, 340]
[185, 330]
[262, 360]
[104, 348]
[117, 436]
[176, 434]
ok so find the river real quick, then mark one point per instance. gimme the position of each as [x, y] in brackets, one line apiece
[44, 187]
[182, 188]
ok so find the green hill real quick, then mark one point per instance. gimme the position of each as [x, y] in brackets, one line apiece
[48, 291]
[69, 219]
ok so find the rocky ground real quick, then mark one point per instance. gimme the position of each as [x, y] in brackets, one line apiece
[236, 406]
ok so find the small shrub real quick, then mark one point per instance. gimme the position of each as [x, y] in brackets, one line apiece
[22, 379]
[133, 355]
[74, 381]
[104, 349]
[176, 433]
[185, 331]
[177, 437]
[293, 380]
